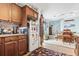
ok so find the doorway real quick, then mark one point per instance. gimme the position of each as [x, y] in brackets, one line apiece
[50, 30]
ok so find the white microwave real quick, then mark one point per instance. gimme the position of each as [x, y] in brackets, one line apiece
[22, 30]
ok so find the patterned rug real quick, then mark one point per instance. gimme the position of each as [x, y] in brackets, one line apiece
[46, 52]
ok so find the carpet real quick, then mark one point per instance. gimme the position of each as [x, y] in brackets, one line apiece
[46, 52]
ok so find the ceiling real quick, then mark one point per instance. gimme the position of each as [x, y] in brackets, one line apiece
[55, 11]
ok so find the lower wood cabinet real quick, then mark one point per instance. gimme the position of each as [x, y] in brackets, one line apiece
[11, 48]
[22, 46]
[1, 50]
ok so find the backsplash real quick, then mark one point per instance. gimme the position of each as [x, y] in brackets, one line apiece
[7, 25]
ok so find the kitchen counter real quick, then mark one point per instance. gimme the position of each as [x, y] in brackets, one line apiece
[6, 35]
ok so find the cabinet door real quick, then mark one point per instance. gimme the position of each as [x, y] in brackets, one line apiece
[15, 13]
[4, 11]
[11, 48]
[1, 50]
[22, 46]
[29, 11]
[24, 17]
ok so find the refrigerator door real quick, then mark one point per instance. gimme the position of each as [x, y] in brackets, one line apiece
[33, 39]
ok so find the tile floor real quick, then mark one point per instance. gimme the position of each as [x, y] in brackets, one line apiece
[60, 46]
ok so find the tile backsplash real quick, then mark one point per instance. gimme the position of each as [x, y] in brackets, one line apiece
[7, 25]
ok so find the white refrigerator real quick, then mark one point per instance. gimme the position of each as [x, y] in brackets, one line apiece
[33, 35]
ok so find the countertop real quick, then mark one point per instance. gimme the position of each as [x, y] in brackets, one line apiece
[5, 35]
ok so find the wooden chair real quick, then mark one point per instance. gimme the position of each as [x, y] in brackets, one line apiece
[68, 36]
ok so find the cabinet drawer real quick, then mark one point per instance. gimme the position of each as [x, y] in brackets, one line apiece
[22, 37]
[14, 38]
[7, 39]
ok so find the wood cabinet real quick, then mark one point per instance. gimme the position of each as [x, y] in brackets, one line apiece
[15, 13]
[1, 50]
[29, 11]
[5, 11]
[10, 12]
[11, 48]
[24, 17]
[13, 45]
[22, 46]
[0, 41]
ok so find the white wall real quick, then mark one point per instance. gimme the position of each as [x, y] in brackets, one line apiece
[56, 26]
[75, 28]
[62, 23]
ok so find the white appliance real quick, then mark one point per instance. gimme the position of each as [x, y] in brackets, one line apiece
[22, 30]
[33, 35]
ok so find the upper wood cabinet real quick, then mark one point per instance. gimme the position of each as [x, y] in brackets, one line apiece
[29, 11]
[26, 10]
[10, 12]
[5, 11]
[15, 13]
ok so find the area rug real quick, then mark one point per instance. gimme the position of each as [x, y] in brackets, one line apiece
[46, 52]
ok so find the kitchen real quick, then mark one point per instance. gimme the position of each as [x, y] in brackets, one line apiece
[39, 29]
[19, 29]
[30, 29]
